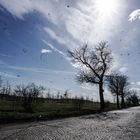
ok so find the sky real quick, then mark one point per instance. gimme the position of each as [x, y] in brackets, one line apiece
[36, 34]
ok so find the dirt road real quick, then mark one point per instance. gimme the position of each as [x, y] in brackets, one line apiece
[114, 125]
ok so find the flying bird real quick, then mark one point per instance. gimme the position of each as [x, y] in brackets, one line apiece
[134, 15]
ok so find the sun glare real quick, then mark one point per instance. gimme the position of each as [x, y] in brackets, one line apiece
[106, 7]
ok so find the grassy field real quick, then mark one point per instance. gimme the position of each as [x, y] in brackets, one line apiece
[12, 110]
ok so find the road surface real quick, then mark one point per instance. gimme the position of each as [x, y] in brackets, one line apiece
[114, 125]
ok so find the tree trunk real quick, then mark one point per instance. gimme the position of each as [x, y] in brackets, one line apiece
[118, 106]
[122, 103]
[102, 104]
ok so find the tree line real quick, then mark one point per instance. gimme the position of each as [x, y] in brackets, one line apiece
[30, 95]
[94, 63]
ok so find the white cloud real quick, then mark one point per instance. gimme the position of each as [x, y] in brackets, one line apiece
[134, 15]
[44, 51]
[138, 83]
[60, 37]
[138, 89]
[133, 83]
[64, 55]
[53, 48]
[116, 62]
[123, 69]
[55, 36]
[87, 24]
[17, 8]
[87, 87]
[82, 22]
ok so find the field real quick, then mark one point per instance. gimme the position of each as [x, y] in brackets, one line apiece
[11, 109]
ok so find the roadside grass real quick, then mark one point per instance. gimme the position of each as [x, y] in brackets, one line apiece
[13, 111]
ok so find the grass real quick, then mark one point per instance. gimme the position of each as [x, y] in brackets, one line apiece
[13, 111]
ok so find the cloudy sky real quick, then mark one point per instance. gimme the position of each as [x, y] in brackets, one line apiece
[36, 34]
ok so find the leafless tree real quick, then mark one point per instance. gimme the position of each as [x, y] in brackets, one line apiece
[58, 95]
[114, 81]
[96, 62]
[66, 94]
[123, 89]
[117, 84]
[132, 99]
[29, 94]
[78, 102]
[6, 89]
[1, 84]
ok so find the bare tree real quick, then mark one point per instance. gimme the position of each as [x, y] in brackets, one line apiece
[29, 95]
[6, 89]
[78, 102]
[123, 89]
[96, 62]
[114, 81]
[1, 84]
[117, 84]
[48, 94]
[58, 95]
[66, 94]
[132, 99]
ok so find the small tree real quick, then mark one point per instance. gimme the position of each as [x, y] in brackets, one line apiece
[6, 89]
[58, 95]
[117, 84]
[1, 84]
[132, 99]
[96, 62]
[29, 95]
[66, 94]
[123, 89]
[78, 102]
[114, 86]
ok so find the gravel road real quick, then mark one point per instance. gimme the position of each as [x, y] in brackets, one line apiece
[114, 125]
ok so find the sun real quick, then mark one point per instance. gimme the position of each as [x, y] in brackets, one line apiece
[106, 7]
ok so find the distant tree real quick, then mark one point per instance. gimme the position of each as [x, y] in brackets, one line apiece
[118, 84]
[114, 85]
[132, 99]
[1, 84]
[66, 94]
[87, 98]
[6, 89]
[58, 95]
[78, 102]
[29, 95]
[96, 62]
[48, 94]
[123, 89]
